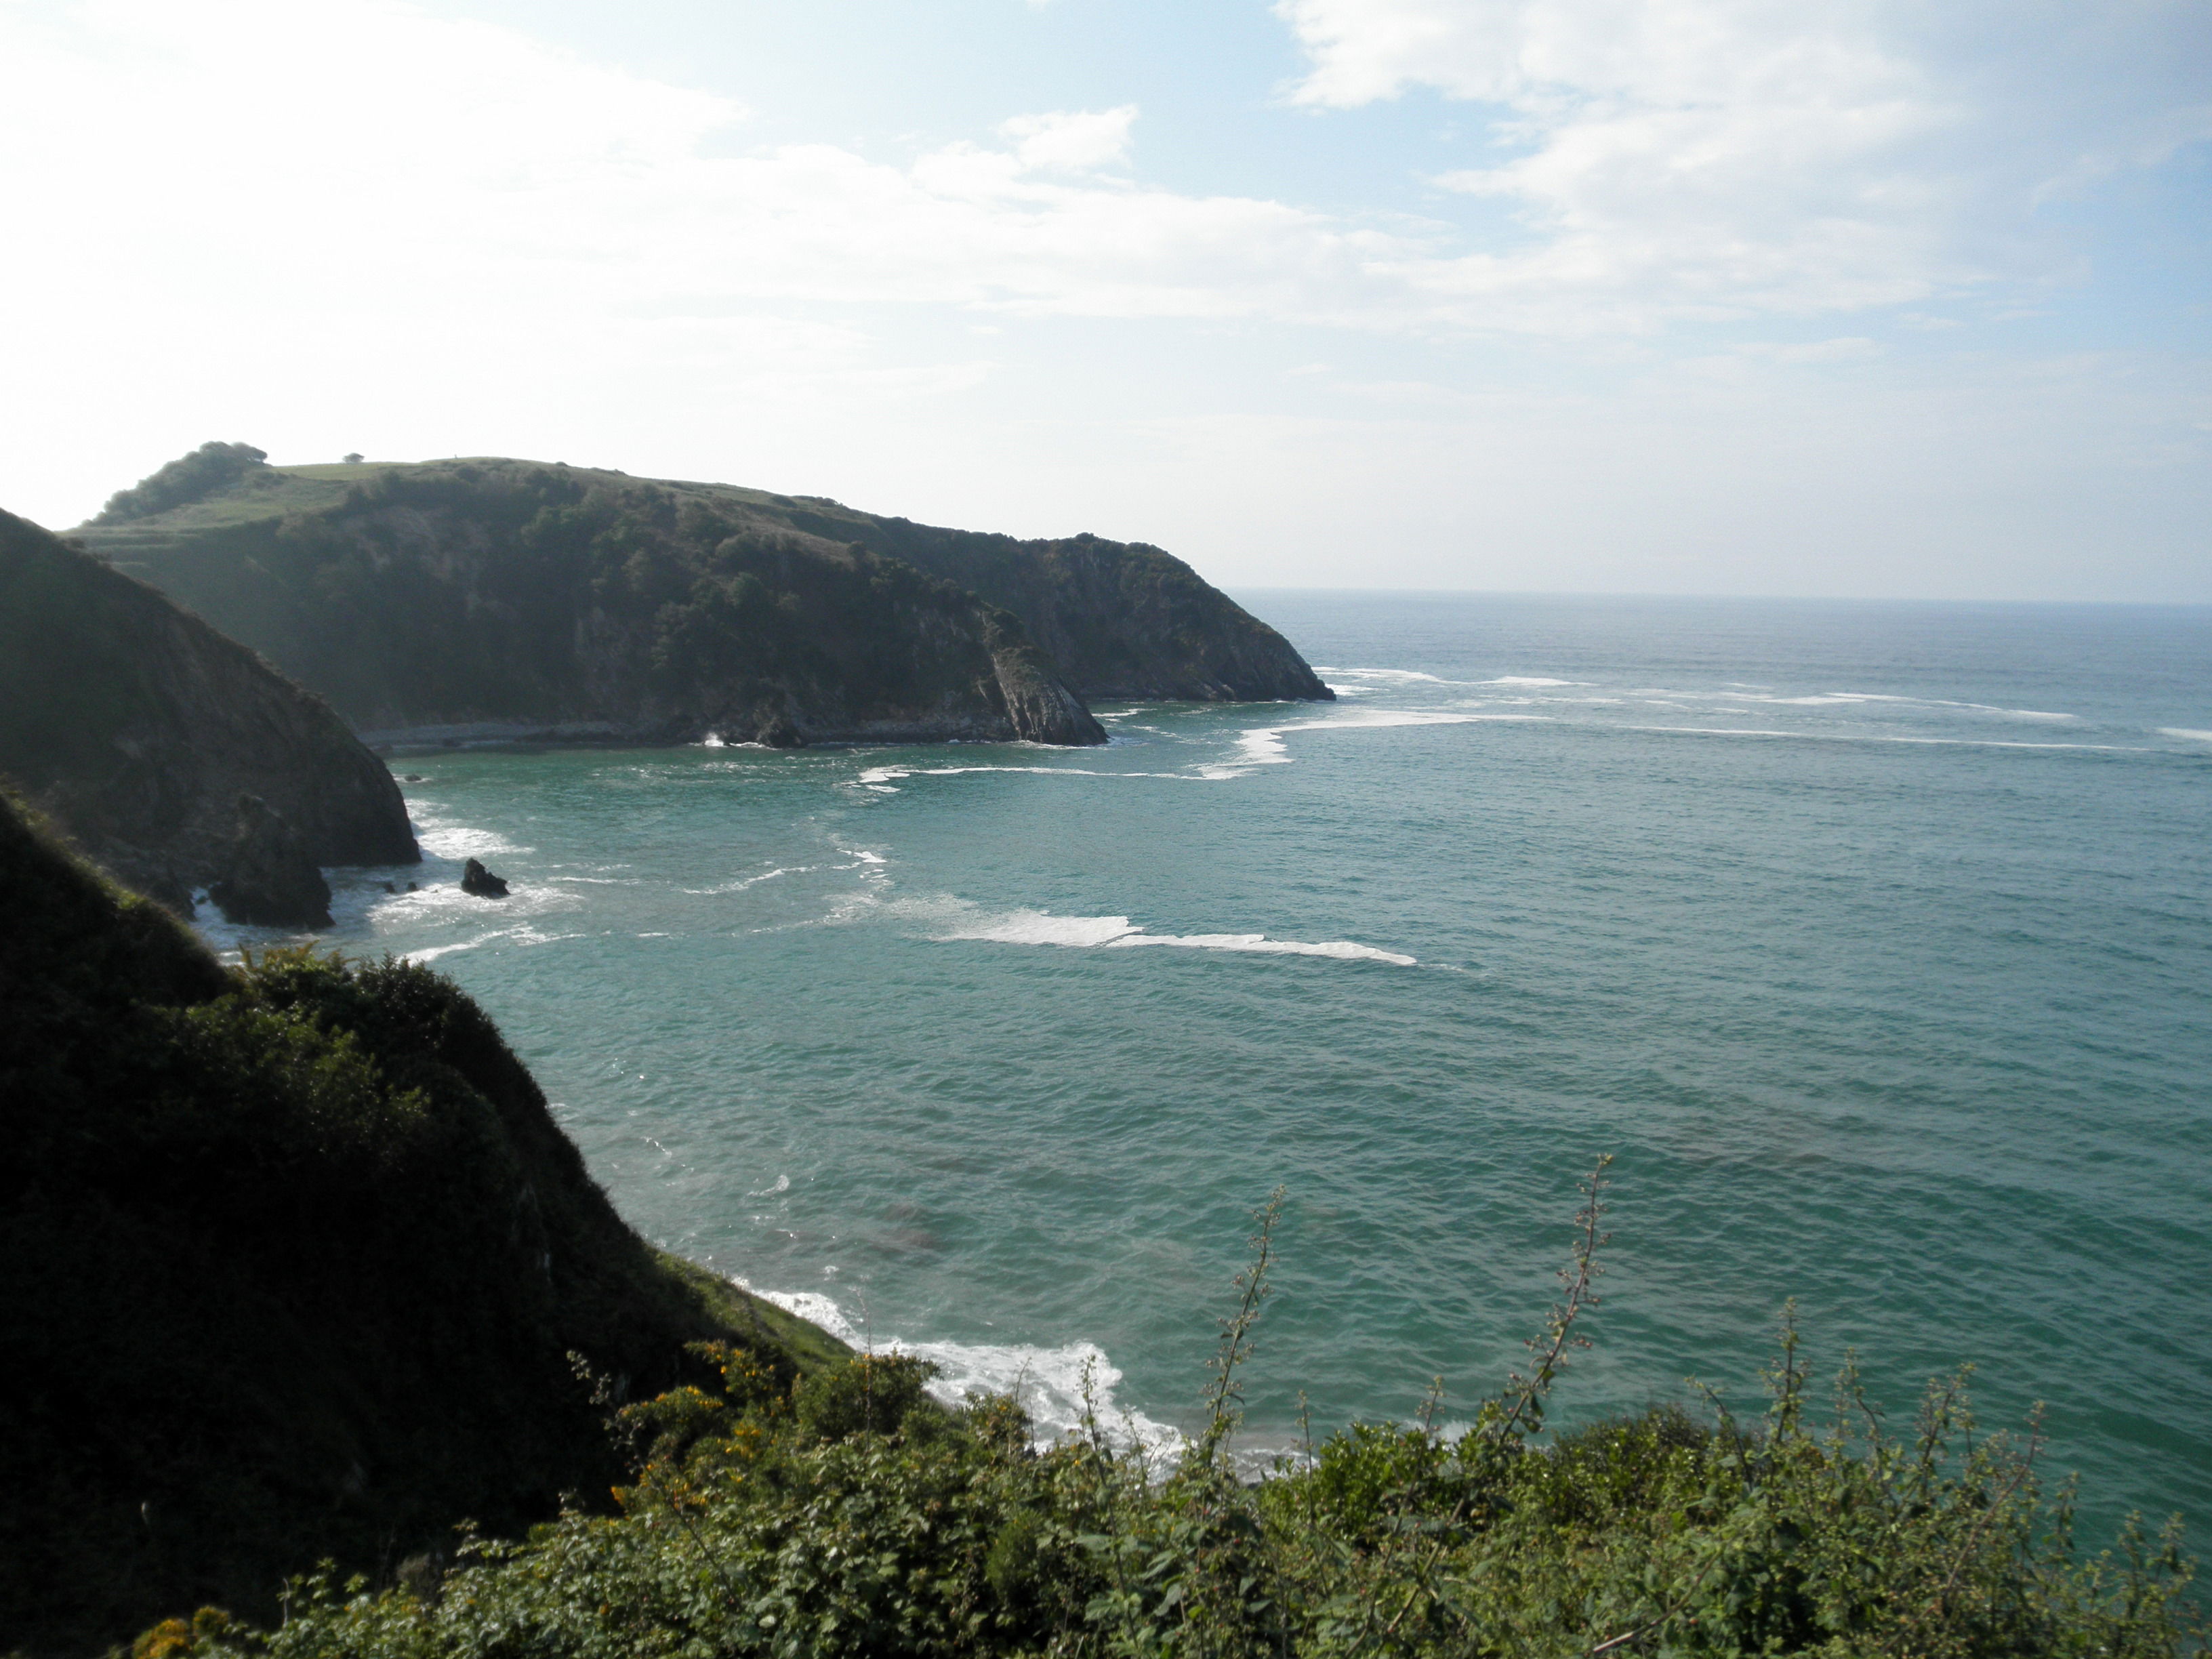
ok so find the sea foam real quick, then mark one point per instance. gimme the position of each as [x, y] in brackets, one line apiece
[957, 919]
[1048, 1382]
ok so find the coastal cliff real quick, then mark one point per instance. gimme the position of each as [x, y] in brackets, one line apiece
[140, 730]
[504, 597]
[494, 598]
[1120, 619]
[296, 1258]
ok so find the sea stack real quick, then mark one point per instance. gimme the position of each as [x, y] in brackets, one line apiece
[476, 879]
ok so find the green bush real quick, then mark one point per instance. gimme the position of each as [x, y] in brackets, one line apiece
[177, 483]
[843, 1517]
[294, 1257]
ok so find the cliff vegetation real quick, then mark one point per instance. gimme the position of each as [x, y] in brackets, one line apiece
[850, 1516]
[465, 592]
[295, 1259]
[587, 604]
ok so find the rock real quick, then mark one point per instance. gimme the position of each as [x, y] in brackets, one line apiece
[269, 877]
[476, 879]
[1037, 705]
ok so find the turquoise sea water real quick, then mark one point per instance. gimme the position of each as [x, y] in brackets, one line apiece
[1874, 941]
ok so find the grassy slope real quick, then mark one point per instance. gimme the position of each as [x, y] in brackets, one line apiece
[294, 1260]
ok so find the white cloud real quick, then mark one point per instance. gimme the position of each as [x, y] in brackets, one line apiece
[1076, 140]
[1717, 158]
[241, 152]
[1677, 159]
[361, 225]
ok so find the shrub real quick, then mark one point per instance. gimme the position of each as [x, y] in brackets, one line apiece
[846, 1516]
[180, 482]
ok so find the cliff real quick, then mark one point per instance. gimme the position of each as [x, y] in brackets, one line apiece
[295, 1258]
[502, 594]
[138, 728]
[516, 598]
[1120, 619]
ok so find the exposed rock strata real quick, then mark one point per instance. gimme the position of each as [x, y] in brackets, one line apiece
[136, 727]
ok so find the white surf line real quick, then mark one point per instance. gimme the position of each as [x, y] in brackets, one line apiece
[1263, 746]
[1049, 1383]
[2185, 731]
[1874, 736]
[880, 778]
[957, 919]
[739, 885]
[525, 935]
[1834, 699]
[1415, 677]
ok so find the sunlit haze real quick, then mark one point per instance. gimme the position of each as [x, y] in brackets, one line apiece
[1718, 296]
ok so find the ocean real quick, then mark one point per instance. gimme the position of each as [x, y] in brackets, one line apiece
[1872, 941]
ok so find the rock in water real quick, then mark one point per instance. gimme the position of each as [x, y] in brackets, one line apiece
[475, 878]
[269, 877]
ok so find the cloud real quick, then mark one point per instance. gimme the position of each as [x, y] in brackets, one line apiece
[1667, 159]
[1081, 140]
[1721, 158]
[364, 225]
[238, 152]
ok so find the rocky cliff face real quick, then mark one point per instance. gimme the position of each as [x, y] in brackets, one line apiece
[137, 728]
[1120, 619]
[508, 597]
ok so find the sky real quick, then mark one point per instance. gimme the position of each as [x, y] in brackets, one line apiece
[1857, 299]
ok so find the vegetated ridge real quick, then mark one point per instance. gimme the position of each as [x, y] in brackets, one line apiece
[511, 595]
[138, 727]
[294, 1258]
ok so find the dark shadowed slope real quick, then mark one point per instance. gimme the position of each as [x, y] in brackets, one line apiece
[138, 727]
[1120, 619]
[294, 1258]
